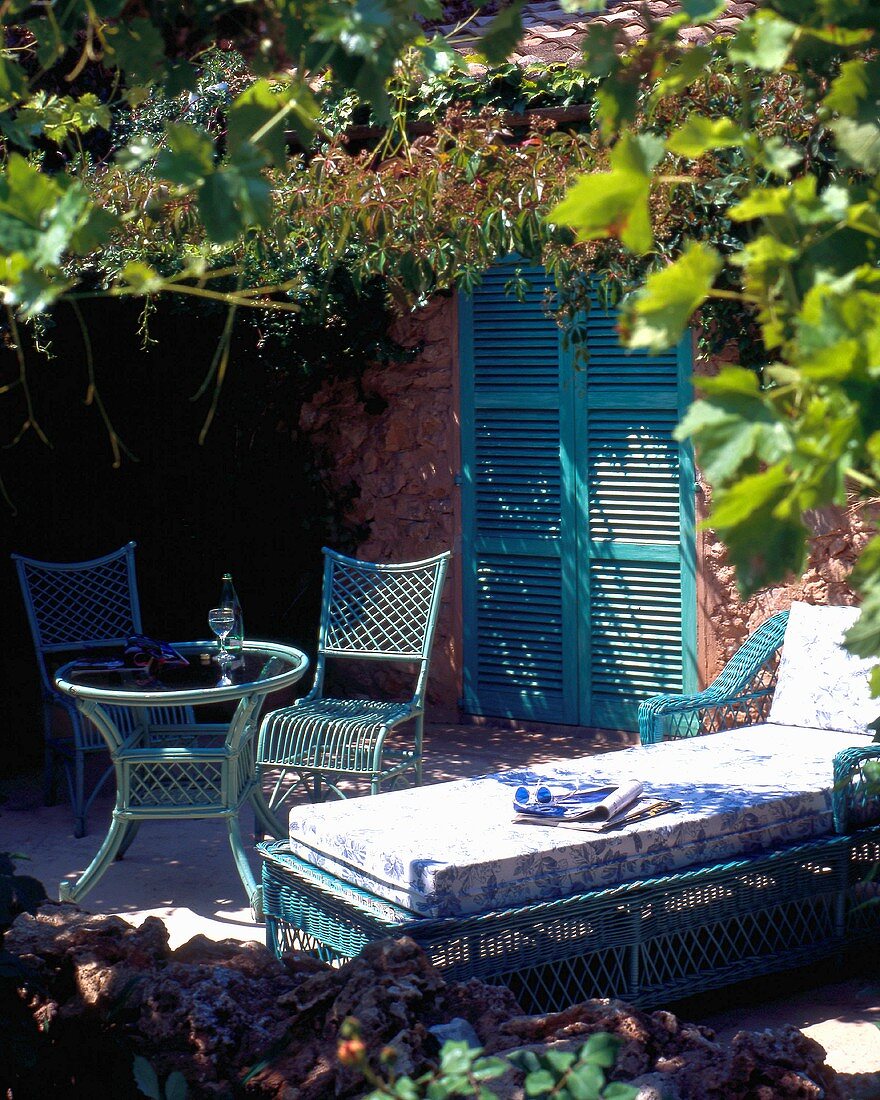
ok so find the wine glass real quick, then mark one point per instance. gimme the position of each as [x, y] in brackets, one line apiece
[221, 620]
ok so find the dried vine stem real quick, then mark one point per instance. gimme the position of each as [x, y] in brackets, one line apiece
[93, 395]
[217, 370]
[31, 422]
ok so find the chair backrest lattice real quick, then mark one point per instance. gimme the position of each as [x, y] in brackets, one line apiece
[380, 612]
[71, 605]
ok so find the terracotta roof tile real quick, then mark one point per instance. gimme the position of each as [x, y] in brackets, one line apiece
[553, 35]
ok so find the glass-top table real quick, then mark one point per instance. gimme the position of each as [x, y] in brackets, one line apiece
[168, 764]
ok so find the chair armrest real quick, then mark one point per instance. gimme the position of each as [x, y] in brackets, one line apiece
[671, 717]
[739, 696]
[855, 797]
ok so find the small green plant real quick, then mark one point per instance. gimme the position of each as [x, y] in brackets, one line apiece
[464, 1071]
[18, 893]
[574, 1076]
[147, 1080]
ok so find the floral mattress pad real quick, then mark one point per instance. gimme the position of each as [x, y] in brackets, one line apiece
[452, 848]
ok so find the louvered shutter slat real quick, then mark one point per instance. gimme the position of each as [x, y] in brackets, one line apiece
[635, 588]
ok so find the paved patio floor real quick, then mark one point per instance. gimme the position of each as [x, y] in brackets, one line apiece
[185, 875]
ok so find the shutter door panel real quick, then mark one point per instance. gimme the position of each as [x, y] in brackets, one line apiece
[516, 472]
[633, 476]
[514, 577]
[610, 364]
[576, 500]
[635, 637]
[632, 630]
[519, 628]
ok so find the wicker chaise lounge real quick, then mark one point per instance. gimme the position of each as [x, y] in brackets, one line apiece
[767, 866]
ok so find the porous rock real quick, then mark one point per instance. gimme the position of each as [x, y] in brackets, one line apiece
[237, 1022]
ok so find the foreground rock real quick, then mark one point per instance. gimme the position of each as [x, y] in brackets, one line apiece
[235, 1022]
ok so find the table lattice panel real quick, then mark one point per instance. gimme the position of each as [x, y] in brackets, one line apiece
[174, 784]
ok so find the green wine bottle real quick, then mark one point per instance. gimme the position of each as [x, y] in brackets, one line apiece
[229, 598]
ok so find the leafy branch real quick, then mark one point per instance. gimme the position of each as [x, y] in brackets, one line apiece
[804, 431]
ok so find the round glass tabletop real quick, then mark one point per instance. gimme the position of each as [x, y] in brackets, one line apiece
[261, 667]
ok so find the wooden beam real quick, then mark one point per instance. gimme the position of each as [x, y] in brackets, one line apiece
[366, 135]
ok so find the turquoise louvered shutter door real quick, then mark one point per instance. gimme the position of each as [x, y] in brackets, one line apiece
[577, 516]
[635, 505]
[518, 539]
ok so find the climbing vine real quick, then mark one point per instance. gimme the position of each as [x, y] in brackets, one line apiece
[463, 169]
[428, 214]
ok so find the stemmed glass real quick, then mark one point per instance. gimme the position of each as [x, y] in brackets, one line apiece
[221, 620]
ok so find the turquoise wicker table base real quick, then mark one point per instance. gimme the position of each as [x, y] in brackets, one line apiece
[647, 942]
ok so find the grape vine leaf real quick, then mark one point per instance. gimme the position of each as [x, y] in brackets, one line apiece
[656, 316]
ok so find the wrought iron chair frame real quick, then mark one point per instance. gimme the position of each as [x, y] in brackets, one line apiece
[319, 739]
[44, 584]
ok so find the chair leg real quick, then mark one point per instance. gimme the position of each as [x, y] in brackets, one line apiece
[419, 747]
[264, 820]
[50, 764]
[79, 795]
[50, 777]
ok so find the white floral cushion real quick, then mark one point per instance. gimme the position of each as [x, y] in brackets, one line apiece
[452, 848]
[820, 684]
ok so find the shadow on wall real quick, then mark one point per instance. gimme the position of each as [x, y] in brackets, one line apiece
[242, 502]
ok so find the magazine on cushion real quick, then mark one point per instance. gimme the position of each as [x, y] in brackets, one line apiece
[580, 804]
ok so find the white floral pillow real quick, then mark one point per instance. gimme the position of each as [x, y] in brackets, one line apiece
[820, 684]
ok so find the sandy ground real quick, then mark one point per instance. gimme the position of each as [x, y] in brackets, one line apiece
[184, 874]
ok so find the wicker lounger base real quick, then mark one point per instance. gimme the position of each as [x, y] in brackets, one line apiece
[646, 942]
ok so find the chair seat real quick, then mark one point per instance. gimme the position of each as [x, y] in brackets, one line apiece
[369, 612]
[335, 734]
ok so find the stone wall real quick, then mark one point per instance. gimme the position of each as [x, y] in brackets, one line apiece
[725, 620]
[399, 466]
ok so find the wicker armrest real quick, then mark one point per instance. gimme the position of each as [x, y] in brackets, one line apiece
[741, 694]
[670, 717]
[855, 798]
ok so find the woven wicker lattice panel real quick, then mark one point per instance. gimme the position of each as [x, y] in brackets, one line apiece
[552, 988]
[649, 942]
[171, 783]
[284, 937]
[76, 605]
[373, 611]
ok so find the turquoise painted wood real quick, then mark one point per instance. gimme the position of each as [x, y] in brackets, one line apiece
[578, 524]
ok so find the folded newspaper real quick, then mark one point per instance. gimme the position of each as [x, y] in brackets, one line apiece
[589, 808]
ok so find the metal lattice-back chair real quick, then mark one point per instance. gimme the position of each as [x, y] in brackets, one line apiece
[370, 612]
[75, 608]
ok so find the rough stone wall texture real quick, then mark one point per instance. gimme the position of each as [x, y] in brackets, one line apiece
[399, 466]
[402, 463]
[725, 620]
